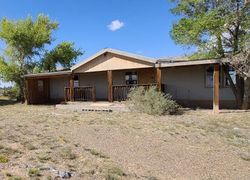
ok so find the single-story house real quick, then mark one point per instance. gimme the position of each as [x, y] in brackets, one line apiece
[109, 74]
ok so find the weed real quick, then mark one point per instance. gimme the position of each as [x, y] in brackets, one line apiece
[9, 176]
[44, 157]
[33, 172]
[111, 177]
[3, 158]
[29, 145]
[116, 170]
[96, 153]
[67, 153]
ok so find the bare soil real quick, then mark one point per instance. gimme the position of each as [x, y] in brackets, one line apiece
[40, 141]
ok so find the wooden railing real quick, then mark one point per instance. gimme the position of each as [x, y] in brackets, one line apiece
[81, 93]
[120, 92]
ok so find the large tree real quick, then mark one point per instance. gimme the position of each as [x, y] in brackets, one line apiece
[24, 39]
[216, 28]
[64, 54]
[25, 47]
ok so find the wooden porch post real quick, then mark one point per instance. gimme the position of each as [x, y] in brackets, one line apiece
[71, 84]
[94, 94]
[110, 86]
[158, 78]
[49, 90]
[216, 88]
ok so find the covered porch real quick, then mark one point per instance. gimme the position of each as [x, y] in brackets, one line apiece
[111, 85]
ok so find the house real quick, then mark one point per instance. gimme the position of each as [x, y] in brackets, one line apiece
[109, 74]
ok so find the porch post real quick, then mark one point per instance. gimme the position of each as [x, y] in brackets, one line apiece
[93, 94]
[110, 85]
[216, 88]
[158, 78]
[71, 84]
[48, 90]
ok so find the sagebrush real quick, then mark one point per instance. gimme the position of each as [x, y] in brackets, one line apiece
[151, 101]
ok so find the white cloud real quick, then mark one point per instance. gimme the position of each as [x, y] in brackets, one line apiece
[115, 25]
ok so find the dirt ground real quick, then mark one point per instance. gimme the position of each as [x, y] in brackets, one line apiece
[41, 142]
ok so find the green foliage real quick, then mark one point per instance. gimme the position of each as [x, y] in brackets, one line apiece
[28, 37]
[3, 158]
[33, 172]
[213, 26]
[152, 102]
[25, 39]
[12, 93]
[114, 173]
[65, 54]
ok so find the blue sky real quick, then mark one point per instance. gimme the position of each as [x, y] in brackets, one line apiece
[139, 26]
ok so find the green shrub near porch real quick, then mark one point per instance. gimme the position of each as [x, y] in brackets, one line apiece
[151, 101]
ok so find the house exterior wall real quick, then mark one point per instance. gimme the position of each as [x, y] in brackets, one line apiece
[109, 61]
[99, 80]
[187, 86]
[38, 94]
[145, 76]
[57, 86]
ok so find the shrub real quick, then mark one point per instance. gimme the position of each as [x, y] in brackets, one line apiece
[3, 159]
[33, 172]
[12, 93]
[152, 101]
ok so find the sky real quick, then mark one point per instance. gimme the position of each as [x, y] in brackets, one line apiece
[137, 26]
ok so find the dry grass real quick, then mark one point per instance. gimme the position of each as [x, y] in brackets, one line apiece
[37, 141]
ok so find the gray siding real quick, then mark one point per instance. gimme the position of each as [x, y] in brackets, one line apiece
[57, 86]
[189, 83]
[99, 80]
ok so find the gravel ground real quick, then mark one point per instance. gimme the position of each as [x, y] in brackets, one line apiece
[42, 142]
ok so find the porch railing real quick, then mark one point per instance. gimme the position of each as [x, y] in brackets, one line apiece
[120, 92]
[81, 93]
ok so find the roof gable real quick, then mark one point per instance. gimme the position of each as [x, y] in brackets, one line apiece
[110, 59]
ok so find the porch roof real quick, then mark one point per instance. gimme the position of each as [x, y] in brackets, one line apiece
[185, 62]
[50, 74]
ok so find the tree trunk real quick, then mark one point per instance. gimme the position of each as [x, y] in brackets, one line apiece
[21, 95]
[246, 98]
[23, 90]
[237, 89]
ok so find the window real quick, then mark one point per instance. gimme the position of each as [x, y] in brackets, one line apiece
[209, 76]
[76, 81]
[232, 74]
[223, 78]
[40, 85]
[131, 77]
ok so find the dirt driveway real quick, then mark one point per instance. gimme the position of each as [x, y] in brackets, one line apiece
[44, 142]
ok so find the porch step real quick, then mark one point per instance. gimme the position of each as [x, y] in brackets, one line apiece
[93, 107]
[97, 110]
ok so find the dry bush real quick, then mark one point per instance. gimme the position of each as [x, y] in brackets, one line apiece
[152, 101]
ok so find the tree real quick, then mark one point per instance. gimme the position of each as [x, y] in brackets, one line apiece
[217, 28]
[25, 51]
[65, 54]
[24, 39]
